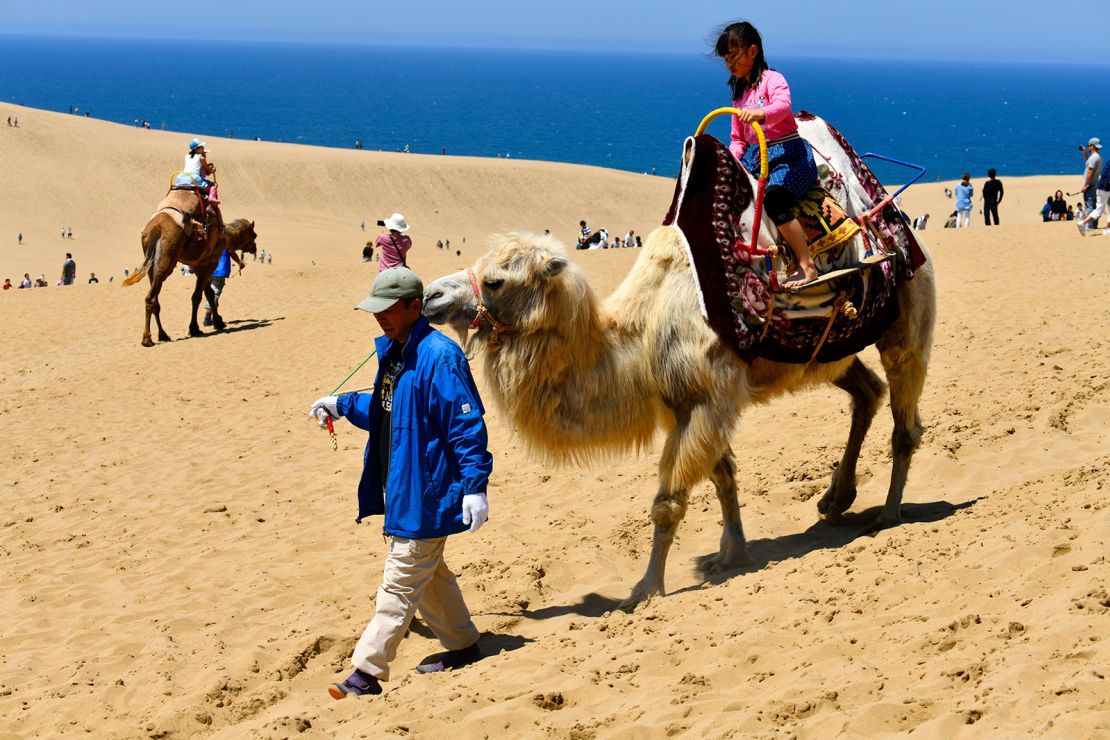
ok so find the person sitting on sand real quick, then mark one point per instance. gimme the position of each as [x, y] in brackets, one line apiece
[1046, 210]
[1059, 207]
[762, 95]
[7, 283]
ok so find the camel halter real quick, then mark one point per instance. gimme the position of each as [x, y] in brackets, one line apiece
[497, 328]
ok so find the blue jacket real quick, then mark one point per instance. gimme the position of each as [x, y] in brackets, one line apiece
[223, 267]
[438, 451]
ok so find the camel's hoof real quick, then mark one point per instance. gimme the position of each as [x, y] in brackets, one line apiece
[834, 503]
[638, 596]
[718, 563]
[147, 342]
[219, 324]
[882, 522]
[194, 331]
[164, 337]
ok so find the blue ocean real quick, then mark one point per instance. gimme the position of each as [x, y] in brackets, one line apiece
[628, 111]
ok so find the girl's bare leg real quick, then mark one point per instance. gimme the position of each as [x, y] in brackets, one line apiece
[796, 237]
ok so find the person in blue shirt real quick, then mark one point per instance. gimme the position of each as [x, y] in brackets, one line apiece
[426, 468]
[217, 281]
[964, 191]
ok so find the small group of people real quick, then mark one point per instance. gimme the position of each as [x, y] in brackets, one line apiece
[68, 277]
[67, 232]
[590, 239]
[991, 197]
[14, 123]
[1056, 208]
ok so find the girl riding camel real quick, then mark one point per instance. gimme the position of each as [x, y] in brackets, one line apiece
[762, 95]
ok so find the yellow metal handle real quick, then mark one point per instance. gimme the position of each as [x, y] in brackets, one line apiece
[763, 170]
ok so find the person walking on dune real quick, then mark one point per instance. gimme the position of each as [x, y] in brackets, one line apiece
[393, 243]
[426, 468]
[964, 193]
[992, 196]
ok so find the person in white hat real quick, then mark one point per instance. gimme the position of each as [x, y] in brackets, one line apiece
[1091, 169]
[393, 243]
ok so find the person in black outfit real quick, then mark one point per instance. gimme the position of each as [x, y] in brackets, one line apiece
[992, 196]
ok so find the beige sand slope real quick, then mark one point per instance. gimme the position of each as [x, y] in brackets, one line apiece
[177, 543]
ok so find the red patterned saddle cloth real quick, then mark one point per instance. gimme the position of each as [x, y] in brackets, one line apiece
[848, 308]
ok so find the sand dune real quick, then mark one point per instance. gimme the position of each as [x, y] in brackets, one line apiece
[178, 544]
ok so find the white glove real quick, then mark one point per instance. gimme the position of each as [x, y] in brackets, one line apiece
[475, 510]
[322, 408]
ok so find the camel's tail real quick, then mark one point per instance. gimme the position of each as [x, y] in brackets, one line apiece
[151, 239]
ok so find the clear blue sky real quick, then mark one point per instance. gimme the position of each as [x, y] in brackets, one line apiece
[1028, 30]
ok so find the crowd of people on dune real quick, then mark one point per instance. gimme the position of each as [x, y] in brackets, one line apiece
[590, 239]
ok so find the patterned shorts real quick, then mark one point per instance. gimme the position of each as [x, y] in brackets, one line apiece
[790, 164]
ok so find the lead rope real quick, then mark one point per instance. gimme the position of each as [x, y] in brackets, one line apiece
[327, 417]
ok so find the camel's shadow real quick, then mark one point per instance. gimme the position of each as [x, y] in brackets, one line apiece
[763, 552]
[237, 325]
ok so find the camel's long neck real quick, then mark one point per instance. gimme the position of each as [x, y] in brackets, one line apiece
[575, 388]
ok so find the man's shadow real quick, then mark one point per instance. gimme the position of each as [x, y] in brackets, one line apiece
[819, 536]
[490, 643]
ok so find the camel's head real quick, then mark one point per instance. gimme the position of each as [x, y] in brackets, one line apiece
[517, 281]
[242, 237]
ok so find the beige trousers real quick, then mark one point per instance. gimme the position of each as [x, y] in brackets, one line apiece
[416, 578]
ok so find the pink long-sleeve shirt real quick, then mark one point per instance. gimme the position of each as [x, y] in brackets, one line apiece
[772, 95]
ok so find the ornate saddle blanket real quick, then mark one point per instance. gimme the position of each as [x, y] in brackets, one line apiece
[847, 309]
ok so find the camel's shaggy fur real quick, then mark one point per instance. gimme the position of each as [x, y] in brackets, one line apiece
[579, 378]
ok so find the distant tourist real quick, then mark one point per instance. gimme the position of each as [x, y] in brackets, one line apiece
[1091, 171]
[362, 225]
[920, 222]
[368, 252]
[638, 243]
[629, 238]
[964, 191]
[40, 281]
[1102, 196]
[992, 196]
[1071, 214]
[1046, 210]
[439, 244]
[7, 283]
[9, 120]
[584, 236]
[26, 282]
[63, 232]
[69, 270]
[394, 245]
[217, 282]
[270, 258]
[1059, 207]
[69, 233]
[951, 222]
[947, 193]
[21, 237]
[92, 278]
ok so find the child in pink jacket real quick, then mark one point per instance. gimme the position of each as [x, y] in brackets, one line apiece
[762, 95]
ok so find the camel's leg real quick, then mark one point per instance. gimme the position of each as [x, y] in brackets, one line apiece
[198, 291]
[734, 549]
[904, 351]
[905, 372]
[693, 447]
[866, 390]
[153, 309]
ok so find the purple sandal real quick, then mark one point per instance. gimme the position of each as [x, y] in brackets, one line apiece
[358, 683]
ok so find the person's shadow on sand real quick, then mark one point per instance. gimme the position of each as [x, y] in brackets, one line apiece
[819, 536]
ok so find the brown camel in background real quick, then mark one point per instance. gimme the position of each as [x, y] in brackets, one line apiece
[166, 242]
[579, 378]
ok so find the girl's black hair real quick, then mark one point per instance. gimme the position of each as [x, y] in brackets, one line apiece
[742, 34]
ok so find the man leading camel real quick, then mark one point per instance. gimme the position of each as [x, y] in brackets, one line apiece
[426, 468]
